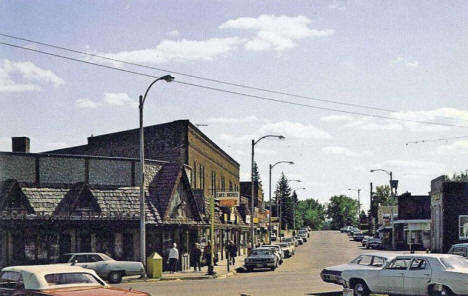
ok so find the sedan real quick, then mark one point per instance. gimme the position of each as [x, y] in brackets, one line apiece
[105, 266]
[56, 279]
[332, 274]
[261, 258]
[415, 274]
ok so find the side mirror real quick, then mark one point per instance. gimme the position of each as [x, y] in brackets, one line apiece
[74, 262]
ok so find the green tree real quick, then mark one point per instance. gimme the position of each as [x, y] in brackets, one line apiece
[460, 177]
[342, 210]
[283, 196]
[383, 196]
[310, 212]
[256, 174]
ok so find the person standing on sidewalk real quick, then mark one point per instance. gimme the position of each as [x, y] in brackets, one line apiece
[173, 258]
[196, 255]
[207, 255]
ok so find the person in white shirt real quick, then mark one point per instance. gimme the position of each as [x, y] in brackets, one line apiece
[173, 258]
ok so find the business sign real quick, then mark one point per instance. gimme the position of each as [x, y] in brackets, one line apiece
[247, 219]
[228, 199]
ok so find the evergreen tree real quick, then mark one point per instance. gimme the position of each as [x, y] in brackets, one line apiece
[283, 195]
[256, 174]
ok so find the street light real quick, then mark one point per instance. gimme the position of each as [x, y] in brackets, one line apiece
[393, 184]
[358, 198]
[294, 208]
[142, 99]
[269, 218]
[252, 184]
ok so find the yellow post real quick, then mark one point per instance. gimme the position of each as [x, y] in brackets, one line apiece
[154, 264]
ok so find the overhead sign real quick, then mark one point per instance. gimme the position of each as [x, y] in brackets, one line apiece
[228, 199]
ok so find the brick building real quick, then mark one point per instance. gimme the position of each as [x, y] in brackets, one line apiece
[208, 166]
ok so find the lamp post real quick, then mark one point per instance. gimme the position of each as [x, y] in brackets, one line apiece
[281, 209]
[252, 192]
[358, 190]
[294, 207]
[142, 99]
[393, 184]
[269, 218]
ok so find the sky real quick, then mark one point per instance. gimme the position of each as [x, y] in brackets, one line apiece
[405, 61]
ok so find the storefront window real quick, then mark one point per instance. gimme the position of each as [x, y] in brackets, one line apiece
[463, 226]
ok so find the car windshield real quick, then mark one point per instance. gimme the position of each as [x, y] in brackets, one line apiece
[105, 257]
[71, 278]
[454, 262]
[261, 252]
[284, 245]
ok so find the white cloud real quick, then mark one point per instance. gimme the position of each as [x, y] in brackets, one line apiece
[294, 130]
[87, 104]
[444, 115]
[399, 60]
[112, 99]
[370, 124]
[180, 51]
[336, 5]
[457, 147]
[412, 166]
[5, 144]
[275, 32]
[228, 120]
[344, 151]
[337, 118]
[173, 33]
[119, 99]
[233, 139]
[28, 71]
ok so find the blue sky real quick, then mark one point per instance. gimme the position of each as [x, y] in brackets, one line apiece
[405, 56]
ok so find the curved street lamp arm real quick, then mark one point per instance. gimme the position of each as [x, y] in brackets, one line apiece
[167, 78]
[381, 170]
[283, 161]
[268, 136]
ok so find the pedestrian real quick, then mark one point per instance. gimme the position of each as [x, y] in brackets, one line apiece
[207, 255]
[232, 248]
[196, 254]
[173, 258]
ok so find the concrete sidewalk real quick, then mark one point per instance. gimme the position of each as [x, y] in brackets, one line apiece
[220, 269]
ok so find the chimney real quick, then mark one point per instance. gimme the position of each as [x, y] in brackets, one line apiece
[20, 144]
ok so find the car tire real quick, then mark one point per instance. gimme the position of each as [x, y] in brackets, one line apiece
[444, 292]
[360, 289]
[249, 269]
[115, 277]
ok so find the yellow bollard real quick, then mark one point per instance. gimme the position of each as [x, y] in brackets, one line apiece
[154, 265]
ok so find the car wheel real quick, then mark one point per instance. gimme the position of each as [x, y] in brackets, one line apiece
[360, 289]
[115, 277]
[249, 268]
[443, 292]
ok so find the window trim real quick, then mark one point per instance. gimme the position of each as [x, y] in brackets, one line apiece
[460, 226]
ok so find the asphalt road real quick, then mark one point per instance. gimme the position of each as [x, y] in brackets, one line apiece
[299, 275]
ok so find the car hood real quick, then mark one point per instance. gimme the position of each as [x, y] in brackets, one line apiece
[343, 267]
[96, 291]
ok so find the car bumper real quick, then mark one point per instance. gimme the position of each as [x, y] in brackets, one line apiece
[260, 265]
[331, 277]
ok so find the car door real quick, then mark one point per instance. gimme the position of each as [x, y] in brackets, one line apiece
[392, 277]
[417, 277]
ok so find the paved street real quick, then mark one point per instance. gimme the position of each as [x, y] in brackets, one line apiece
[298, 275]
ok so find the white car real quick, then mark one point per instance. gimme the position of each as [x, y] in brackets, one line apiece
[277, 250]
[332, 274]
[415, 274]
[56, 279]
[105, 266]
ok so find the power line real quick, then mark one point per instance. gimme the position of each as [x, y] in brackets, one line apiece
[238, 93]
[435, 140]
[200, 77]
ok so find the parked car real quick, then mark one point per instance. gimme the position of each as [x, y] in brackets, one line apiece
[273, 237]
[412, 274]
[374, 243]
[105, 266]
[299, 239]
[261, 258]
[303, 236]
[353, 230]
[459, 249]
[56, 279]
[332, 274]
[358, 236]
[364, 240]
[303, 231]
[277, 250]
[292, 240]
[345, 229]
[287, 249]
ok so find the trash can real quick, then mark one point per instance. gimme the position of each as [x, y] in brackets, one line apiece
[154, 265]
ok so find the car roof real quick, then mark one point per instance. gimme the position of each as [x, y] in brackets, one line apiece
[85, 253]
[427, 255]
[381, 254]
[460, 245]
[45, 269]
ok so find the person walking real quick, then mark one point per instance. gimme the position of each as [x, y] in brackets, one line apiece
[196, 255]
[232, 249]
[173, 258]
